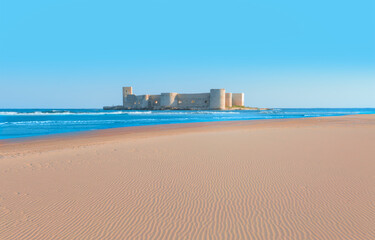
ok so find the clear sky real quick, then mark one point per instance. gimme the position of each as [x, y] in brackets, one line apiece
[290, 53]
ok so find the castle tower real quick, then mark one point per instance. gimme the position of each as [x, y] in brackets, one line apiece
[238, 99]
[217, 99]
[125, 92]
[167, 100]
[228, 100]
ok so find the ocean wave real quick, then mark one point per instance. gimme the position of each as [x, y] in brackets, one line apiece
[8, 113]
[41, 113]
[62, 112]
[93, 122]
[189, 112]
[138, 112]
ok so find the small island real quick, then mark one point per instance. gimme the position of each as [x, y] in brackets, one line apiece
[216, 99]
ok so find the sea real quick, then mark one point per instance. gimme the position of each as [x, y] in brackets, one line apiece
[21, 123]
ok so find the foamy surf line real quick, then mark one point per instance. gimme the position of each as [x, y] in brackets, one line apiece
[40, 113]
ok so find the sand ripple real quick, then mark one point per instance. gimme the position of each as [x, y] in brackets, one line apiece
[281, 183]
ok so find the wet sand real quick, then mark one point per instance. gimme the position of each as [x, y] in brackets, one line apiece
[269, 179]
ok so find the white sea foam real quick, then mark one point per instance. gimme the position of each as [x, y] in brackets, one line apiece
[138, 112]
[39, 113]
[93, 122]
[8, 113]
[59, 112]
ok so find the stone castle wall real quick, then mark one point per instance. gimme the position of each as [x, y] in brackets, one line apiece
[216, 99]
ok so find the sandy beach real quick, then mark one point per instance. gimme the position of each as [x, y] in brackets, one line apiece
[308, 178]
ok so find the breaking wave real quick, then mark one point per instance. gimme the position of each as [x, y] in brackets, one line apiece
[56, 112]
[41, 113]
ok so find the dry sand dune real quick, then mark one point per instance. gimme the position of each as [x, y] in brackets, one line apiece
[284, 179]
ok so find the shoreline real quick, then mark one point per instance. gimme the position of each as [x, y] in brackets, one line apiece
[31, 123]
[99, 136]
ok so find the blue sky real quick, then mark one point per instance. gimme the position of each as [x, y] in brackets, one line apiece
[56, 54]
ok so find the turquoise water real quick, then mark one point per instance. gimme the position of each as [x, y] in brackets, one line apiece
[16, 123]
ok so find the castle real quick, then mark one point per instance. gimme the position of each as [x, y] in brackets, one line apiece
[216, 99]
